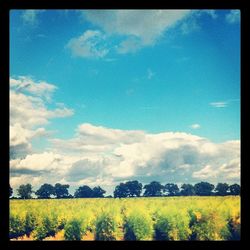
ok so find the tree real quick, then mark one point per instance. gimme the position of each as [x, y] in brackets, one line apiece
[203, 188]
[45, 191]
[11, 191]
[121, 191]
[234, 189]
[25, 191]
[134, 188]
[222, 189]
[128, 189]
[153, 189]
[172, 189]
[98, 192]
[61, 191]
[187, 190]
[84, 192]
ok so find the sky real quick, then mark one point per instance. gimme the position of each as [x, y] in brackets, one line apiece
[99, 97]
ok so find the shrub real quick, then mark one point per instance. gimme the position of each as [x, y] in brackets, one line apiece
[16, 226]
[171, 225]
[107, 226]
[30, 223]
[138, 226]
[47, 227]
[234, 226]
[208, 225]
[73, 230]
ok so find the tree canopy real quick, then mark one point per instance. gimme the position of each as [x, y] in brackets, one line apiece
[153, 189]
[128, 189]
[171, 189]
[61, 191]
[25, 191]
[222, 189]
[45, 191]
[203, 188]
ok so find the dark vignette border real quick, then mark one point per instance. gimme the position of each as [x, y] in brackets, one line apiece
[7, 5]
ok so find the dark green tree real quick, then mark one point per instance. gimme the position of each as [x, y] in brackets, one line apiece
[222, 189]
[171, 189]
[234, 189]
[203, 188]
[84, 192]
[45, 191]
[98, 192]
[121, 191]
[187, 190]
[61, 191]
[25, 191]
[153, 189]
[134, 188]
[11, 191]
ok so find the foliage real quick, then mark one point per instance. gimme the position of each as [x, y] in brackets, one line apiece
[172, 218]
[208, 225]
[61, 191]
[98, 192]
[45, 191]
[187, 190]
[172, 224]
[171, 189]
[153, 189]
[10, 191]
[222, 189]
[234, 189]
[83, 192]
[138, 226]
[16, 226]
[203, 188]
[128, 189]
[73, 230]
[47, 227]
[107, 226]
[25, 191]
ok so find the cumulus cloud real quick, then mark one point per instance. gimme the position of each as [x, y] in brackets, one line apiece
[27, 84]
[29, 111]
[107, 156]
[90, 44]
[147, 25]
[233, 16]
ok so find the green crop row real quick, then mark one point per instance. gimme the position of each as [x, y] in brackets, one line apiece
[178, 218]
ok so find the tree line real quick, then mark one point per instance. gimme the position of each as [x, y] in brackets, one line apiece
[127, 189]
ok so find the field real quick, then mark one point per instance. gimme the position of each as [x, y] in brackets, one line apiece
[160, 218]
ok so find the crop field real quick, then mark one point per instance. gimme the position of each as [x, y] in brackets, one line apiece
[105, 219]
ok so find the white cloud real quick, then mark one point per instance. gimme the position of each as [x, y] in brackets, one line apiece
[31, 111]
[147, 25]
[114, 155]
[195, 126]
[233, 16]
[130, 45]
[27, 84]
[90, 44]
[30, 16]
[205, 173]
[132, 29]
[28, 110]
[219, 104]
[137, 28]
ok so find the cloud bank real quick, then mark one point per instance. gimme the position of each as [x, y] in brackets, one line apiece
[98, 155]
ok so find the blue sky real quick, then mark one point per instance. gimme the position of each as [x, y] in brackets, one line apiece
[150, 71]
